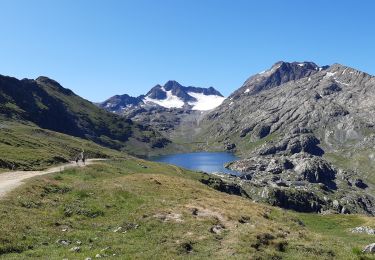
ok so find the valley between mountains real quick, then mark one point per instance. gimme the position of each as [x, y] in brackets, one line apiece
[304, 133]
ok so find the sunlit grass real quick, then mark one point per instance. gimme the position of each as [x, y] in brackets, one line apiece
[141, 209]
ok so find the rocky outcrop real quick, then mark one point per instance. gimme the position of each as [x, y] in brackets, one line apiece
[315, 170]
[369, 248]
[225, 186]
[292, 144]
[298, 200]
[363, 230]
[298, 167]
[303, 182]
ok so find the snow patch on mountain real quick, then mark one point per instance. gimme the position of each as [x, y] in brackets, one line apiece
[171, 96]
[205, 102]
[108, 105]
[171, 101]
[329, 75]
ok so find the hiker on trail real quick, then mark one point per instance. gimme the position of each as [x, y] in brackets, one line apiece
[83, 157]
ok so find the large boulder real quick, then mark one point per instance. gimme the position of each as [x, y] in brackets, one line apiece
[369, 248]
[315, 169]
[298, 200]
[225, 186]
[364, 230]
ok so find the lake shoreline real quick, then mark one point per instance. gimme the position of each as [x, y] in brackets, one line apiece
[210, 162]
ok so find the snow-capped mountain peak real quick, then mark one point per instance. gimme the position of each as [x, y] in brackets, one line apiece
[170, 95]
[168, 101]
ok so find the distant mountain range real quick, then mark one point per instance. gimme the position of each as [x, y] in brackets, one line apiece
[170, 95]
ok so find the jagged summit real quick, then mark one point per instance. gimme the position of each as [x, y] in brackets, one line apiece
[280, 73]
[171, 95]
[172, 84]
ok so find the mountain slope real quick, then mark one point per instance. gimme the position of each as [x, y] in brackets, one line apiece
[323, 100]
[47, 104]
[296, 133]
[25, 146]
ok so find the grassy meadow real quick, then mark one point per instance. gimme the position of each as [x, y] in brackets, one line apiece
[135, 209]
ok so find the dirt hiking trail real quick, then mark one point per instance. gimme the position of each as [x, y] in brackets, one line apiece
[13, 179]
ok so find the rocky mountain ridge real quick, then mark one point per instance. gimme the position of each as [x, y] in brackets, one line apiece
[280, 73]
[296, 126]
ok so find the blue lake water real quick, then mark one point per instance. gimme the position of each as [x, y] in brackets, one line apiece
[209, 162]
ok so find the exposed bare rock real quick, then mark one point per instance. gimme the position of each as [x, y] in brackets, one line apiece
[315, 170]
[364, 230]
[284, 122]
[369, 248]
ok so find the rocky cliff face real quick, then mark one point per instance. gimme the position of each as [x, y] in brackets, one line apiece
[302, 130]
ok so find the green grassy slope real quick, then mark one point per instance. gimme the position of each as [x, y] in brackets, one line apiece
[136, 209]
[47, 104]
[28, 147]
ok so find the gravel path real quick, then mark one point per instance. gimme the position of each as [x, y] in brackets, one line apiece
[13, 179]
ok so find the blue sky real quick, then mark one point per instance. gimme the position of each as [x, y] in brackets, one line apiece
[101, 48]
